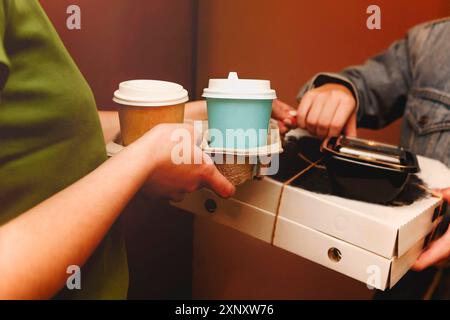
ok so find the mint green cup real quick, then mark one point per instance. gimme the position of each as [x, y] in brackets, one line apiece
[238, 124]
[239, 112]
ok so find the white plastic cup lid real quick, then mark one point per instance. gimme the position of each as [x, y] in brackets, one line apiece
[150, 93]
[235, 88]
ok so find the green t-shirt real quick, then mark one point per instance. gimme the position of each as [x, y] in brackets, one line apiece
[50, 135]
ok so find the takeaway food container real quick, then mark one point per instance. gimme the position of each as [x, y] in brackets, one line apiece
[367, 170]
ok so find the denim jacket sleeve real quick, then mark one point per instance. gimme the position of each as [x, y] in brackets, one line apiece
[380, 86]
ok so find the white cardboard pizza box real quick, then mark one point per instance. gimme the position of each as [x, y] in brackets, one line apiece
[368, 237]
[355, 262]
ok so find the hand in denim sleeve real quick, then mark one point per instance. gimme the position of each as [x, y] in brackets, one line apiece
[327, 106]
[379, 87]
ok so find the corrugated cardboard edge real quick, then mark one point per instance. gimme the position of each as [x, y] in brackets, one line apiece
[417, 228]
[400, 266]
[421, 225]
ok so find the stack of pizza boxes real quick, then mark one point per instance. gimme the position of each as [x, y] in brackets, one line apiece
[371, 243]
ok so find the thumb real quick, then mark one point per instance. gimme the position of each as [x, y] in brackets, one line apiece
[220, 185]
[216, 181]
[351, 129]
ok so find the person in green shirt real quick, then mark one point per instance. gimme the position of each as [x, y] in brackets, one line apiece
[59, 197]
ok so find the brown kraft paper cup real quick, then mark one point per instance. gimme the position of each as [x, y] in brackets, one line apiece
[137, 121]
[145, 104]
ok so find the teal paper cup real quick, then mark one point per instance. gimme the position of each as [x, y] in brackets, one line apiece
[239, 112]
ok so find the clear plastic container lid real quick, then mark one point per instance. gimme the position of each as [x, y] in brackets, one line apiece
[371, 153]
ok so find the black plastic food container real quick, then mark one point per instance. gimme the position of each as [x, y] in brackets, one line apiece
[367, 170]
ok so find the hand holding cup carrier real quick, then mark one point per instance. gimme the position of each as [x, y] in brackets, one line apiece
[150, 113]
[239, 137]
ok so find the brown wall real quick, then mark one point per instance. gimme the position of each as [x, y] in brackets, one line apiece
[286, 41]
[122, 40]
